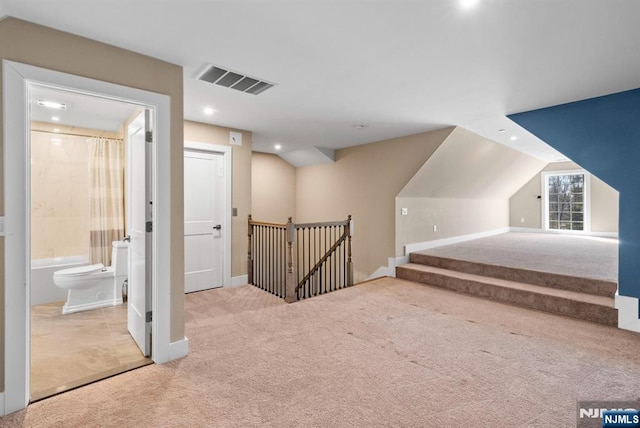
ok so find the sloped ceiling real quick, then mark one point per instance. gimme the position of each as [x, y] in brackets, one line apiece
[603, 135]
[468, 166]
[399, 67]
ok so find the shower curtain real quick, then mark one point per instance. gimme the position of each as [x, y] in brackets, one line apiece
[106, 195]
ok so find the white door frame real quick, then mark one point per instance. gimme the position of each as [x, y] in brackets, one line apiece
[227, 153]
[17, 78]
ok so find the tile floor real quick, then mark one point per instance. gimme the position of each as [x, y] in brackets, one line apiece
[71, 350]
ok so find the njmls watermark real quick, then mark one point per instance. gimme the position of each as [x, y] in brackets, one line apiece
[605, 414]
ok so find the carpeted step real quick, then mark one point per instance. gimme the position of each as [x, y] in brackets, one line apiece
[589, 307]
[596, 287]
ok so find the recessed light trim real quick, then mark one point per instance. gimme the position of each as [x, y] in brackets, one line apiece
[468, 4]
[55, 118]
[277, 146]
[360, 126]
[513, 138]
[209, 111]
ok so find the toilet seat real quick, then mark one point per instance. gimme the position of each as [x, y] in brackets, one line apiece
[80, 271]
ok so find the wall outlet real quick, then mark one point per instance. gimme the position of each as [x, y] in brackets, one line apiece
[404, 211]
[435, 228]
[521, 219]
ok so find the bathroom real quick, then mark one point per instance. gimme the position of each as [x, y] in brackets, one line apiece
[78, 209]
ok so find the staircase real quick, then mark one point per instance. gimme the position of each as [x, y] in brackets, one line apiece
[581, 298]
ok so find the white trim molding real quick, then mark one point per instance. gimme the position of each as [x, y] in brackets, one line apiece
[419, 246]
[17, 80]
[390, 269]
[179, 349]
[627, 312]
[586, 200]
[613, 235]
[239, 280]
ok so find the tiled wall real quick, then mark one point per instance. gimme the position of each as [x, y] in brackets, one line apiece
[59, 192]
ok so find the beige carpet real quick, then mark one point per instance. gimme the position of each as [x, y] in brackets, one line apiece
[385, 353]
[589, 257]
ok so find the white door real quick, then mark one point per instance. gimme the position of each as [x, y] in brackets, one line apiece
[204, 187]
[139, 227]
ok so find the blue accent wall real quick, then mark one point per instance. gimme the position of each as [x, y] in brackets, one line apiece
[603, 136]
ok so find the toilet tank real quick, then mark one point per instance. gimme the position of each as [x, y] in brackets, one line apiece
[119, 258]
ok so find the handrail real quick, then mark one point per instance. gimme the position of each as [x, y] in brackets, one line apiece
[323, 224]
[278, 256]
[265, 223]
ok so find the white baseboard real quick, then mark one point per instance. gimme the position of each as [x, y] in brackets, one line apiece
[239, 280]
[2, 409]
[564, 232]
[178, 349]
[426, 245]
[627, 313]
[390, 269]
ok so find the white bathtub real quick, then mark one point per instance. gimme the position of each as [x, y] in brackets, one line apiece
[43, 290]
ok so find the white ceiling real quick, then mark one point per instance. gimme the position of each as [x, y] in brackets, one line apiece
[399, 67]
[81, 110]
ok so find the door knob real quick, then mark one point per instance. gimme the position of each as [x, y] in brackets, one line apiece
[217, 227]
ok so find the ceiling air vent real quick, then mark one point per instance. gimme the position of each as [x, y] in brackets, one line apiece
[233, 80]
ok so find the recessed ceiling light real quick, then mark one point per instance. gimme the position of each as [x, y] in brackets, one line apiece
[209, 111]
[513, 138]
[55, 118]
[52, 104]
[359, 126]
[468, 4]
[277, 146]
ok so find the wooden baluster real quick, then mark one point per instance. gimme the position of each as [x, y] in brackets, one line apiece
[349, 261]
[249, 260]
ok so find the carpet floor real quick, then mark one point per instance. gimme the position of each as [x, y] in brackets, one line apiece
[384, 353]
[582, 256]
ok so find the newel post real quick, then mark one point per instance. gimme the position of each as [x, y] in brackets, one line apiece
[349, 261]
[290, 294]
[249, 255]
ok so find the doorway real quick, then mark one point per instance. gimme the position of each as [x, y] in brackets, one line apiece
[17, 80]
[80, 259]
[207, 216]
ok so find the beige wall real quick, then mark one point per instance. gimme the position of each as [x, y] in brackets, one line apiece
[468, 166]
[273, 188]
[44, 47]
[364, 182]
[525, 204]
[452, 217]
[464, 188]
[241, 195]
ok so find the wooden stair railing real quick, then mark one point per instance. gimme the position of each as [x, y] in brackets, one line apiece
[297, 261]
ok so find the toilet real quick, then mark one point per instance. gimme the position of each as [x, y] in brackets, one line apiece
[94, 286]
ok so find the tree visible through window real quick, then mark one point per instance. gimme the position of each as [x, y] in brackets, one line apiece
[566, 201]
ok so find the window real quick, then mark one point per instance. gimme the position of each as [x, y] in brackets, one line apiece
[566, 200]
